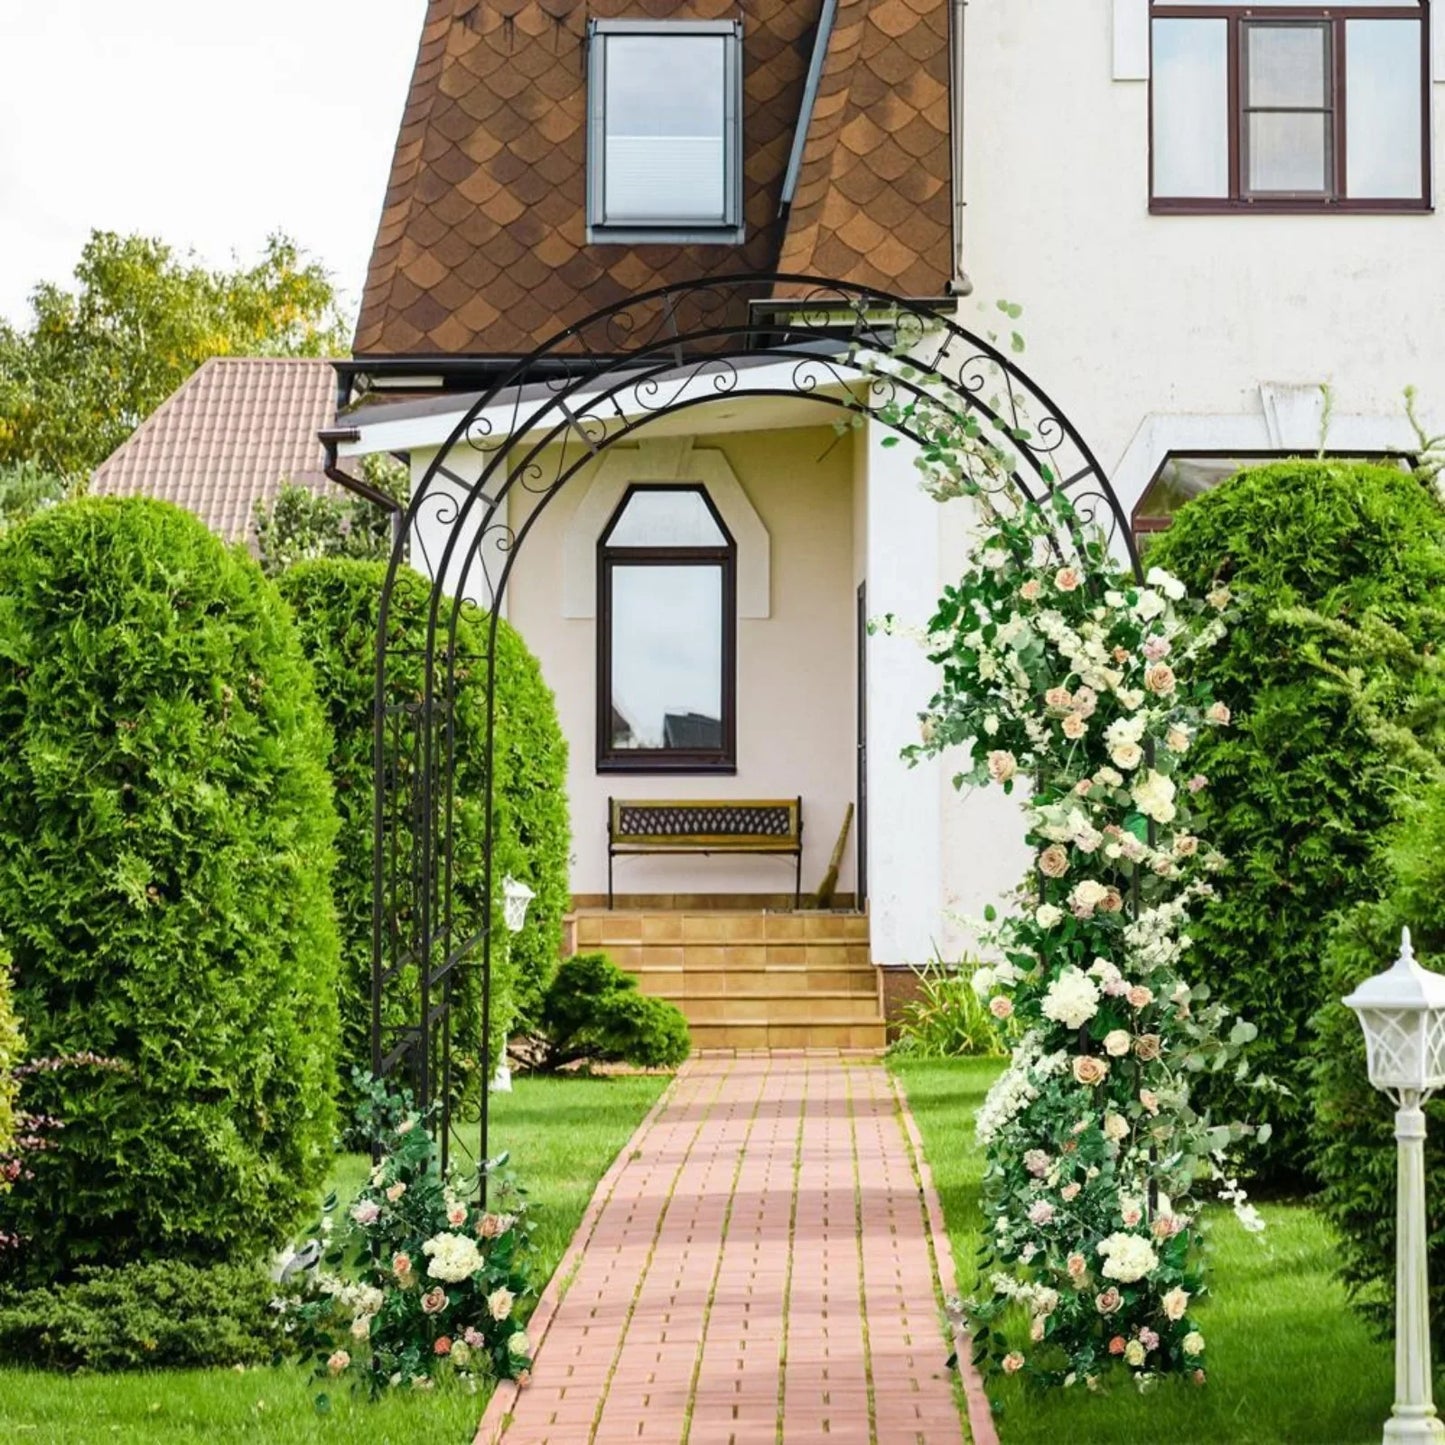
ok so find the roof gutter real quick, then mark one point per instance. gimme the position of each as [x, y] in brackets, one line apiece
[331, 438]
[960, 283]
[810, 96]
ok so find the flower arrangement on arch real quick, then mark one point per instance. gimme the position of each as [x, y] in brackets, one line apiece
[412, 1282]
[1063, 674]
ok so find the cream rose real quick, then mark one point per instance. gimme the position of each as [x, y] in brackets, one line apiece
[1139, 996]
[1000, 1007]
[1059, 697]
[1159, 679]
[1089, 1070]
[1108, 1301]
[1074, 727]
[1116, 1043]
[1002, 765]
[1116, 1127]
[1068, 579]
[1175, 1303]
[1134, 1353]
[1193, 1343]
[1176, 740]
[1053, 861]
[1147, 1048]
[1126, 755]
[1030, 590]
[1218, 713]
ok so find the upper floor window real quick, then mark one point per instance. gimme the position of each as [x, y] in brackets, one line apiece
[664, 132]
[1290, 106]
[666, 635]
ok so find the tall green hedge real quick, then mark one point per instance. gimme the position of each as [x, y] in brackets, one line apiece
[1353, 1123]
[12, 1049]
[336, 604]
[166, 834]
[1302, 791]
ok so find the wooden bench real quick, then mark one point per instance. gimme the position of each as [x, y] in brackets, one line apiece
[647, 825]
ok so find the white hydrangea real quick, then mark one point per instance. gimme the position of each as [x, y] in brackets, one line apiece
[1072, 999]
[453, 1257]
[1153, 795]
[1127, 1257]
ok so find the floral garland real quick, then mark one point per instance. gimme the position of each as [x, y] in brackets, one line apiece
[1060, 673]
[412, 1283]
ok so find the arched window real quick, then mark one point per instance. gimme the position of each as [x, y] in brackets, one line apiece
[666, 635]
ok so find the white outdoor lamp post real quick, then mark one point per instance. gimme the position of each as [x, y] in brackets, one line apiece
[515, 898]
[1402, 1012]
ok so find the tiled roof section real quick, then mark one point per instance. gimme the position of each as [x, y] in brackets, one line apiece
[482, 249]
[873, 196]
[225, 439]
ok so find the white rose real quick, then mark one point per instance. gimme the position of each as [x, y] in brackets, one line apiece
[1047, 916]
[1166, 582]
[1149, 605]
[1153, 795]
[1117, 1043]
[1193, 1343]
[1127, 755]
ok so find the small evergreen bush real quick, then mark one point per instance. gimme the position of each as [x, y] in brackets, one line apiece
[1353, 1123]
[594, 1012]
[336, 604]
[165, 864]
[143, 1317]
[1302, 790]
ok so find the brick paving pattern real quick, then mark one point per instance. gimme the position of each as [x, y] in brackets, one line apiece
[760, 1271]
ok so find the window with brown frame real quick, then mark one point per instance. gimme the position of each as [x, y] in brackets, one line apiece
[1290, 106]
[666, 635]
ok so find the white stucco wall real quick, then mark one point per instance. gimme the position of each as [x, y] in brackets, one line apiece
[1135, 320]
[796, 701]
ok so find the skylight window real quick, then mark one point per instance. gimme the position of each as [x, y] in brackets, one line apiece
[664, 131]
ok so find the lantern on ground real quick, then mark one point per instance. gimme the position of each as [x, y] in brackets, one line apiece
[515, 898]
[1402, 1012]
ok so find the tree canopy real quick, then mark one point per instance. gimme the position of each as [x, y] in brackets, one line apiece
[98, 359]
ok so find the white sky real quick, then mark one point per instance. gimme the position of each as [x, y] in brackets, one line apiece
[206, 124]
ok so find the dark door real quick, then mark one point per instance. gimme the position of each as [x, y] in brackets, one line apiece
[862, 781]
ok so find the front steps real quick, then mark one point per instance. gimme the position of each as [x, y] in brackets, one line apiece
[749, 980]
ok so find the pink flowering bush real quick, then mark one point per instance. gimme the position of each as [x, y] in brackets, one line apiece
[1062, 674]
[412, 1282]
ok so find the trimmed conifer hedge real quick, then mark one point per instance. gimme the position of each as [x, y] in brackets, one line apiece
[336, 604]
[1303, 791]
[166, 834]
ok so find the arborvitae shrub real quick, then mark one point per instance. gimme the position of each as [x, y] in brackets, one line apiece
[145, 1317]
[336, 604]
[1354, 1123]
[1302, 793]
[165, 865]
[593, 1011]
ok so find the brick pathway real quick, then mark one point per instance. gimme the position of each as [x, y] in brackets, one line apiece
[758, 1268]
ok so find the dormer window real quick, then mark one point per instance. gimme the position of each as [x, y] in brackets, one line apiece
[664, 133]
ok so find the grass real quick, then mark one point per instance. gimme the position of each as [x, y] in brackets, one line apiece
[1289, 1363]
[561, 1133]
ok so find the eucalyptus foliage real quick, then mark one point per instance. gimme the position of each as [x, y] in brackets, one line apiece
[165, 862]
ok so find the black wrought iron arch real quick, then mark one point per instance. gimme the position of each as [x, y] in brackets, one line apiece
[593, 384]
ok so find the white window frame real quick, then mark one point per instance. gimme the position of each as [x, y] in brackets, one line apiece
[674, 230]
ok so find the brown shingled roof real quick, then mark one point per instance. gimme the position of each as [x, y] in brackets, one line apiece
[226, 437]
[482, 246]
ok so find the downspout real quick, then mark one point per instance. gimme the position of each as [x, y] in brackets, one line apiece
[959, 284]
[331, 438]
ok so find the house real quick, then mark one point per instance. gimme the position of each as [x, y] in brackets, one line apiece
[1209, 213]
[227, 438]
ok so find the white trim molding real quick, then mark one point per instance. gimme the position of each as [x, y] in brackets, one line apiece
[1289, 420]
[1131, 39]
[666, 459]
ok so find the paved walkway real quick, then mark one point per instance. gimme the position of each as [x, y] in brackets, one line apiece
[757, 1268]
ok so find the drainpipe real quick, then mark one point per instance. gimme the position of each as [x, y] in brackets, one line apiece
[959, 284]
[331, 438]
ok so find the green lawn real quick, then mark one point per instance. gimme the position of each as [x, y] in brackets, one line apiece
[1289, 1364]
[562, 1134]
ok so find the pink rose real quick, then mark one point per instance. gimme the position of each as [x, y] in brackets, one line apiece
[1000, 1007]
[396, 1191]
[1030, 590]
[443, 1346]
[1150, 1100]
[1085, 701]
[474, 1337]
[1156, 647]
[1053, 861]
[457, 1214]
[1148, 1338]
[401, 1265]
[493, 1226]
[366, 1212]
[1077, 1266]
[434, 1301]
[1036, 1161]
[1074, 727]
[1218, 713]
[1041, 1212]
[1068, 579]
[1197, 1377]
[1070, 1192]
[1131, 1216]
[1059, 697]
[1140, 997]
[338, 1361]
[1013, 1362]
[1109, 1301]
[1197, 783]
[1117, 1345]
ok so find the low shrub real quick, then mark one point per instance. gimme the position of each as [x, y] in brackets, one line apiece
[594, 1012]
[1302, 791]
[144, 1317]
[165, 867]
[948, 1018]
[337, 604]
[1354, 1123]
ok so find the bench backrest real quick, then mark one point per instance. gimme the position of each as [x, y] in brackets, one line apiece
[720, 823]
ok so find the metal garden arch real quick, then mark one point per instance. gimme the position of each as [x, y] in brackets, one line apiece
[531, 431]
